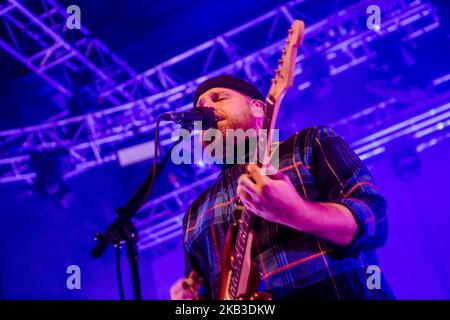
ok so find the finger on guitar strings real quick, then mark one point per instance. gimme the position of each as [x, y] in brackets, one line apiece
[257, 175]
[247, 185]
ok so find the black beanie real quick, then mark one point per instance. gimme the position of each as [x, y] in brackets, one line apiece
[230, 82]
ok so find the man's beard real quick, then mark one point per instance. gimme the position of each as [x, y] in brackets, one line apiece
[223, 126]
[231, 148]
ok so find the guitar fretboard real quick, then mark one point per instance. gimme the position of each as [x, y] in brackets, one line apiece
[247, 218]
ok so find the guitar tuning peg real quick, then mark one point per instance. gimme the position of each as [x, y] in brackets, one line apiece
[280, 61]
[290, 30]
[273, 80]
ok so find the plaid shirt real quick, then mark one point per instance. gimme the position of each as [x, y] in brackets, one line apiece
[322, 168]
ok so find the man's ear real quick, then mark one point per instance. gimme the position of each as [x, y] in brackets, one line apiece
[257, 108]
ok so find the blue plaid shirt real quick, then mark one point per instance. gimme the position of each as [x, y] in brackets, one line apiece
[323, 168]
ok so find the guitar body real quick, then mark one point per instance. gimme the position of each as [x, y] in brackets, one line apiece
[240, 277]
[254, 275]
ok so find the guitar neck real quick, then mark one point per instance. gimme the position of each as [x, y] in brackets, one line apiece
[242, 238]
[280, 84]
[247, 220]
[270, 118]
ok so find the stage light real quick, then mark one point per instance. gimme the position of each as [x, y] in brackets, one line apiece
[406, 164]
[49, 181]
[136, 153]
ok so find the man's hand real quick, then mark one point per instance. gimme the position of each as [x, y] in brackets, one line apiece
[186, 288]
[271, 195]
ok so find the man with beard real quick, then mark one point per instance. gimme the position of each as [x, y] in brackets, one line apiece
[320, 216]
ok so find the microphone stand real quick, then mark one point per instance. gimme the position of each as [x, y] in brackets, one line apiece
[122, 229]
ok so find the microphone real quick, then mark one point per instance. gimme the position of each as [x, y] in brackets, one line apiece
[204, 114]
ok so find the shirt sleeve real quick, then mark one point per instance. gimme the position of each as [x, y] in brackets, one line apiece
[343, 178]
[192, 264]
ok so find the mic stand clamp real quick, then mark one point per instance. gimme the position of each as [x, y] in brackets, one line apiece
[126, 234]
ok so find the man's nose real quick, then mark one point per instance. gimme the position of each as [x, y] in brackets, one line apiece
[213, 105]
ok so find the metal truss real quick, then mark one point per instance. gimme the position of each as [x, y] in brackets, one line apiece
[92, 139]
[35, 33]
[344, 37]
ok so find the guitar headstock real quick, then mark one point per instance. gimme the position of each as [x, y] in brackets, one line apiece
[284, 76]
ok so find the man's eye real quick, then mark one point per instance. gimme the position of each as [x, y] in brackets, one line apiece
[220, 98]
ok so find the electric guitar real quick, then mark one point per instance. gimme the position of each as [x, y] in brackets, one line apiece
[240, 276]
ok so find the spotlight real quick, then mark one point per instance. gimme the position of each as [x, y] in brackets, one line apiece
[406, 164]
[49, 179]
